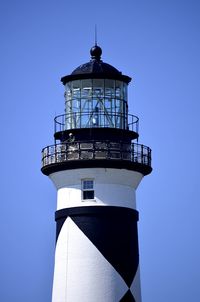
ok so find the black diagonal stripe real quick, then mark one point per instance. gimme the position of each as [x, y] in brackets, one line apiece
[128, 297]
[59, 225]
[113, 230]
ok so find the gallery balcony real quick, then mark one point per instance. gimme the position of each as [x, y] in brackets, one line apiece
[80, 154]
[99, 124]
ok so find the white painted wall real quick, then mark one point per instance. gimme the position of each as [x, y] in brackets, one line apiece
[114, 187]
[117, 176]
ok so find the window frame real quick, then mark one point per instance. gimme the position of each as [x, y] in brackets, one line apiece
[83, 189]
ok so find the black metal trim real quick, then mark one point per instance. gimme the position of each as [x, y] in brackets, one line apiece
[110, 163]
[97, 210]
[97, 134]
[102, 75]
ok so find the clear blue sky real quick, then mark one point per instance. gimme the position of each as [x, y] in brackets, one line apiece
[157, 43]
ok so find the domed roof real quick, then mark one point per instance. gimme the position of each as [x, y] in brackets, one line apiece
[95, 68]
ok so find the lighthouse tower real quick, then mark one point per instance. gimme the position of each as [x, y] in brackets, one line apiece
[96, 167]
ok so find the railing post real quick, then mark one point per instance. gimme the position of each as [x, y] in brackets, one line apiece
[93, 150]
[55, 125]
[132, 152]
[48, 154]
[108, 150]
[149, 156]
[66, 150]
[132, 123]
[142, 152]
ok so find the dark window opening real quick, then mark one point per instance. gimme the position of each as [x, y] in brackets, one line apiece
[88, 194]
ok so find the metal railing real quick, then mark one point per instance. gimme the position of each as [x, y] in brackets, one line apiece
[96, 150]
[98, 119]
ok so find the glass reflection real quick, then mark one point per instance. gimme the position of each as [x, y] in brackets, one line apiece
[96, 103]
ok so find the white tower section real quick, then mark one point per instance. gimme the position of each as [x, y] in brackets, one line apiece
[85, 274]
[96, 169]
[111, 187]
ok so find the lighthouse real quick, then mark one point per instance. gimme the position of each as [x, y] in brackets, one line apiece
[96, 165]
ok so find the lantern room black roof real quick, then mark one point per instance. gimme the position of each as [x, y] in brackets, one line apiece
[95, 69]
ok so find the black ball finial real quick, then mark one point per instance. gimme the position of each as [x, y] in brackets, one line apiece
[96, 52]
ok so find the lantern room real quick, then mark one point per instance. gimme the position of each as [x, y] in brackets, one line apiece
[96, 103]
[96, 96]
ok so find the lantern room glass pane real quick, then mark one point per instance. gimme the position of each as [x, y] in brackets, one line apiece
[76, 105]
[108, 103]
[98, 88]
[109, 88]
[119, 89]
[96, 103]
[86, 90]
[125, 96]
[76, 89]
[68, 94]
[86, 105]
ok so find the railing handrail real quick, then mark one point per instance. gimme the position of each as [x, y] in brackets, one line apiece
[92, 141]
[132, 120]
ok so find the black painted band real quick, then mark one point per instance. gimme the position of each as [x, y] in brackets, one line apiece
[97, 163]
[97, 210]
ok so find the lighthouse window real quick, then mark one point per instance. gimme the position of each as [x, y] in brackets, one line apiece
[87, 189]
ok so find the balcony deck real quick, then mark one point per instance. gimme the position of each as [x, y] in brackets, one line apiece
[96, 153]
